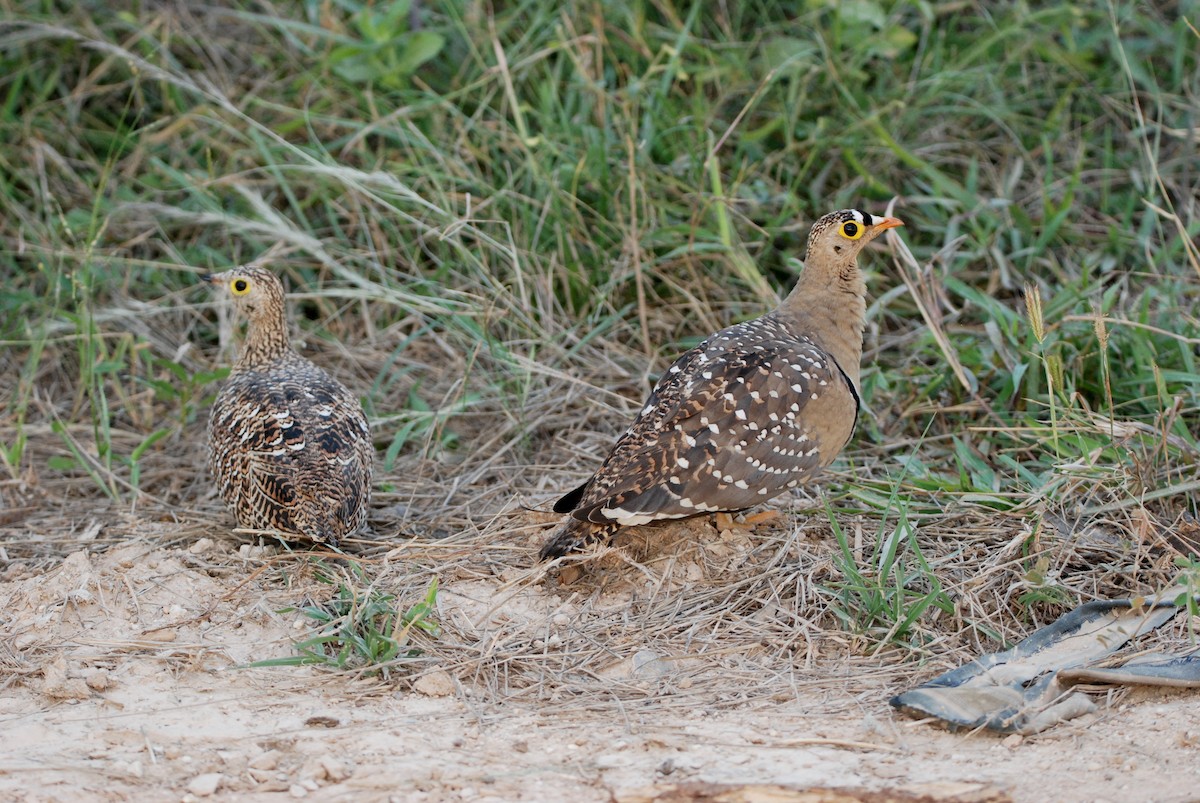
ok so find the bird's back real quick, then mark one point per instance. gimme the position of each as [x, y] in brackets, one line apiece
[752, 411]
[291, 451]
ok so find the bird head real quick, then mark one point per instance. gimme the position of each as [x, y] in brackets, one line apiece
[839, 236]
[256, 292]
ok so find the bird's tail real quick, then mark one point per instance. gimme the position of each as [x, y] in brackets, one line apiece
[317, 525]
[573, 536]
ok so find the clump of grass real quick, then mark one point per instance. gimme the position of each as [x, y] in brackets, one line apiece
[884, 594]
[362, 628]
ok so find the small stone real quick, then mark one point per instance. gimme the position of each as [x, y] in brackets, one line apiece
[437, 683]
[312, 770]
[98, 680]
[57, 686]
[521, 746]
[297, 791]
[205, 785]
[1012, 741]
[253, 551]
[335, 769]
[202, 546]
[265, 761]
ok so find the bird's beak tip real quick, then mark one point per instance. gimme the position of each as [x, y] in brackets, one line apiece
[890, 222]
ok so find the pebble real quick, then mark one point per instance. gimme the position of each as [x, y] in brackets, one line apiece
[335, 769]
[265, 761]
[437, 683]
[202, 546]
[98, 680]
[205, 785]
[259, 776]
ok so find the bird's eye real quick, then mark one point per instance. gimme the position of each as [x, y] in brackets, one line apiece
[852, 230]
[239, 287]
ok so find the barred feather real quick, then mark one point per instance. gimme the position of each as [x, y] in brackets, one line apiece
[289, 446]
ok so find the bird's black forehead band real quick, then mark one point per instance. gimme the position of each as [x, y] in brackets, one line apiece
[866, 217]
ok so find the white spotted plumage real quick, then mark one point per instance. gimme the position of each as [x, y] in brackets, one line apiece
[739, 418]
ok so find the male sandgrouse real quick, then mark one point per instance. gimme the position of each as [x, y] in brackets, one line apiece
[289, 445]
[752, 411]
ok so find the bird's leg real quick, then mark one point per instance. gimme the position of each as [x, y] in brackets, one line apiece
[724, 520]
[761, 517]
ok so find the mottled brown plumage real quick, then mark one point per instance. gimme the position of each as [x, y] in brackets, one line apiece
[752, 411]
[289, 445]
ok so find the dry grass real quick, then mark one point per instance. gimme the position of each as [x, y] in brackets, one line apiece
[674, 617]
[502, 256]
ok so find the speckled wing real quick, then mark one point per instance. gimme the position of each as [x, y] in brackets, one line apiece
[291, 451]
[750, 412]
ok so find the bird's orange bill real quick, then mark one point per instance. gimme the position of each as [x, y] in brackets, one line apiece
[889, 223]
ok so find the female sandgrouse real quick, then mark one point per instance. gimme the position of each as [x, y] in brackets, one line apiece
[752, 411]
[289, 445]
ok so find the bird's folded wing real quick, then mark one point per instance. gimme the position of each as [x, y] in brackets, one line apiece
[730, 428]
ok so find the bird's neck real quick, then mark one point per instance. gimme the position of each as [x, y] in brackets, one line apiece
[266, 342]
[830, 304]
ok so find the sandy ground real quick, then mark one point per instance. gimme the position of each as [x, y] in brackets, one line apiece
[124, 677]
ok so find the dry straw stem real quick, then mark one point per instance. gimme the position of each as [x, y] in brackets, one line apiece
[919, 282]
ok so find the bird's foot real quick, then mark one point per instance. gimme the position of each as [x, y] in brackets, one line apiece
[725, 520]
[761, 517]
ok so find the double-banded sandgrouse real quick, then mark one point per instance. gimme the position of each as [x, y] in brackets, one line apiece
[289, 445]
[752, 411]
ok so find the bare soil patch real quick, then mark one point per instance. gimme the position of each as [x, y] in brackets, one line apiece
[125, 673]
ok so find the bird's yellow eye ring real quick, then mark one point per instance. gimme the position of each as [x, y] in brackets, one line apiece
[239, 287]
[852, 229]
